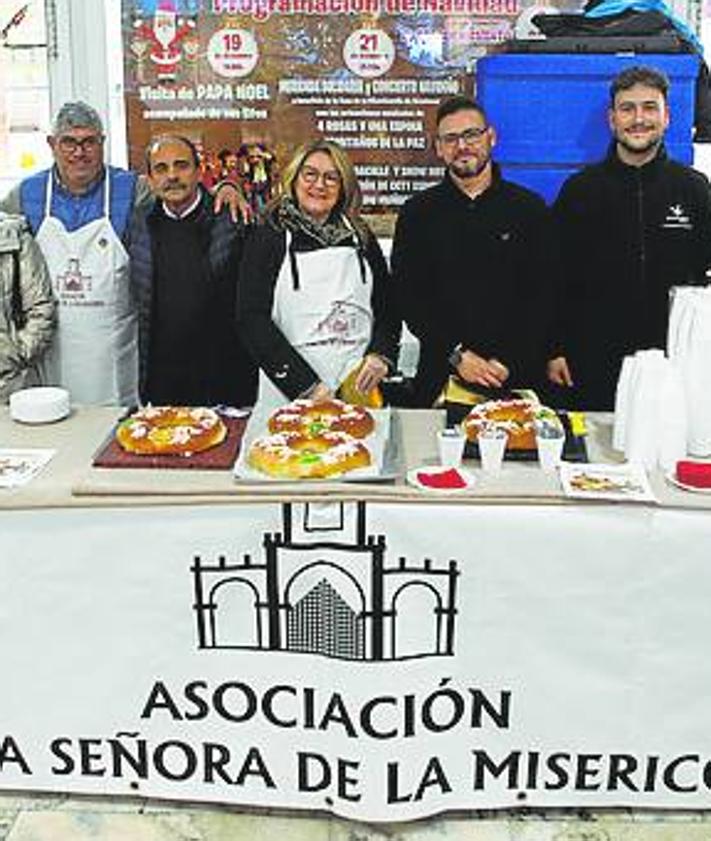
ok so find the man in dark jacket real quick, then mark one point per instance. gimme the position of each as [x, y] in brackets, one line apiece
[473, 260]
[631, 228]
[184, 270]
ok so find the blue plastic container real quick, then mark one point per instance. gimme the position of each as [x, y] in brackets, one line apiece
[550, 110]
[545, 179]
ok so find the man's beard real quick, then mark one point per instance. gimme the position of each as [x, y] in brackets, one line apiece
[636, 149]
[470, 169]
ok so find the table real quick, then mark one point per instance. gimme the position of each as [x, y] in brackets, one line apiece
[70, 481]
[363, 650]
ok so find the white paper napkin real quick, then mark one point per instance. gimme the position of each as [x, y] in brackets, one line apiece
[673, 425]
[641, 427]
[647, 410]
[622, 403]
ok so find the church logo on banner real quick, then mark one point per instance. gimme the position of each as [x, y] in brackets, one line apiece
[324, 585]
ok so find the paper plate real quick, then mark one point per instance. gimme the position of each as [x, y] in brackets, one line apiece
[41, 404]
[466, 475]
[671, 478]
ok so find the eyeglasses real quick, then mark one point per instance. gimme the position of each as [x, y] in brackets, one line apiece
[470, 136]
[310, 175]
[70, 145]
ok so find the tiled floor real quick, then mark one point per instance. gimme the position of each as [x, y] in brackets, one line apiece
[57, 818]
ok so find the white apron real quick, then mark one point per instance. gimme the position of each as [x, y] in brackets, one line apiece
[95, 351]
[324, 311]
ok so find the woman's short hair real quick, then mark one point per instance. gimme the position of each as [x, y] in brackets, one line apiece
[350, 196]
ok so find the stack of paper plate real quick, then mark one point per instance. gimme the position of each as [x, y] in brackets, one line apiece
[43, 404]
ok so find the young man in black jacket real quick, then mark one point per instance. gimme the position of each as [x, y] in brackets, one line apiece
[474, 260]
[631, 228]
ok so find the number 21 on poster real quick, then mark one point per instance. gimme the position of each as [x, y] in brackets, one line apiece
[369, 53]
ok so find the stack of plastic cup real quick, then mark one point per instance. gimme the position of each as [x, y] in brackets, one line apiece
[492, 440]
[550, 438]
[450, 443]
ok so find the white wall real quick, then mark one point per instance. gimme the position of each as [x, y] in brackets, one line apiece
[85, 63]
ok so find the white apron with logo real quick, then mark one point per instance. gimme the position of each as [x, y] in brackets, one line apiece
[326, 315]
[95, 351]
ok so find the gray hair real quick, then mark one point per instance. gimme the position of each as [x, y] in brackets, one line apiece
[76, 115]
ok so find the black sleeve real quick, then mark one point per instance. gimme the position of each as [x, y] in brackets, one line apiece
[571, 226]
[387, 322]
[264, 252]
[703, 263]
[539, 279]
[415, 283]
[517, 329]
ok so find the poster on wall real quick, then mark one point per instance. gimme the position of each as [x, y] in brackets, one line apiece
[248, 80]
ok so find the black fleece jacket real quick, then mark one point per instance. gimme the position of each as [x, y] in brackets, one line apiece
[628, 235]
[476, 272]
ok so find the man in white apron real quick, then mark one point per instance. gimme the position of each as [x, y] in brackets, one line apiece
[95, 352]
[80, 213]
[79, 210]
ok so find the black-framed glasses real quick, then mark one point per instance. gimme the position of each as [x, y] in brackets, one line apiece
[469, 136]
[311, 175]
[69, 145]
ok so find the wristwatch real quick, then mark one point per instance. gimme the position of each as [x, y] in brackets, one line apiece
[455, 357]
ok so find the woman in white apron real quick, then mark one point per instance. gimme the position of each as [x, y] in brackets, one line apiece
[315, 299]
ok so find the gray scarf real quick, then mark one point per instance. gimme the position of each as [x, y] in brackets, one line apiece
[334, 232]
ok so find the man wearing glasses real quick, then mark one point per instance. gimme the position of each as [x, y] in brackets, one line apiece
[474, 262]
[80, 212]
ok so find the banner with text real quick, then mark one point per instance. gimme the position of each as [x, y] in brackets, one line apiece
[248, 80]
[331, 657]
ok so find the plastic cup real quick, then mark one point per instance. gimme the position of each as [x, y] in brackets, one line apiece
[450, 443]
[549, 441]
[492, 445]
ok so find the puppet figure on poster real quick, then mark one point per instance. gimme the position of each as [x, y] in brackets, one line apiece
[257, 170]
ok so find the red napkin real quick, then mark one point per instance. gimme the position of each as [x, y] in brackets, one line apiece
[694, 473]
[446, 479]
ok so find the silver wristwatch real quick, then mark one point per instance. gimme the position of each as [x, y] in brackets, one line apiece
[455, 357]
